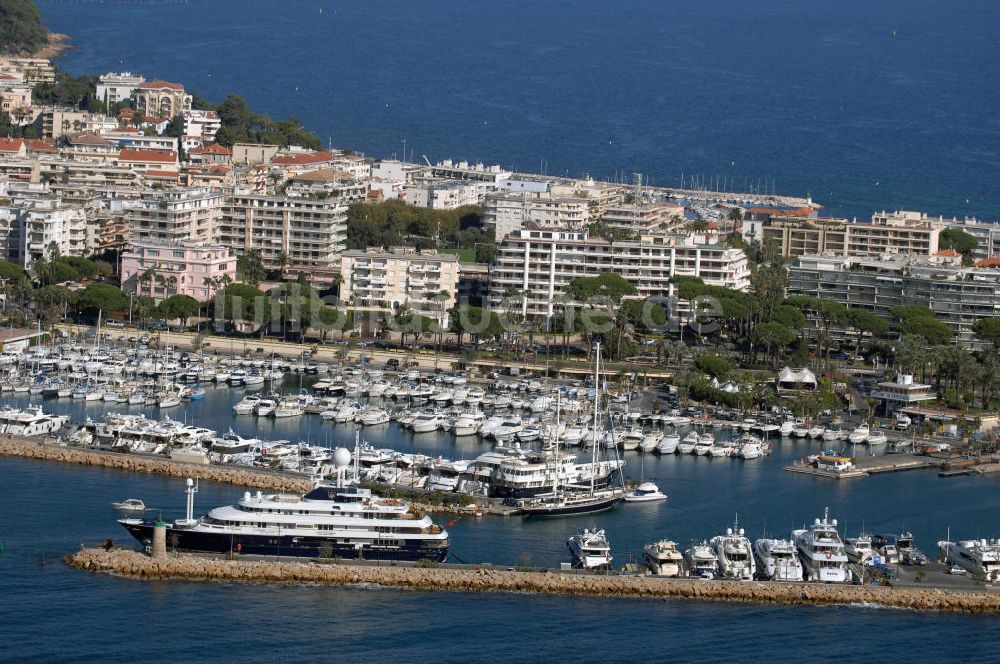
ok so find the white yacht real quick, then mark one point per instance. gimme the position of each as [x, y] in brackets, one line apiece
[645, 493]
[859, 549]
[651, 441]
[980, 557]
[669, 444]
[265, 407]
[663, 558]
[777, 560]
[816, 432]
[687, 445]
[590, 549]
[374, 417]
[468, 423]
[701, 562]
[508, 428]
[859, 435]
[750, 447]
[329, 521]
[704, 445]
[876, 438]
[425, 423]
[823, 555]
[735, 554]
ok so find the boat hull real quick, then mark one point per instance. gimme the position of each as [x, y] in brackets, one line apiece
[181, 539]
[570, 509]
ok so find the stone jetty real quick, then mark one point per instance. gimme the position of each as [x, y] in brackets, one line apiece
[196, 568]
[33, 448]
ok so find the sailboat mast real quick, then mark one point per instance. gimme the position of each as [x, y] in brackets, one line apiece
[555, 475]
[597, 400]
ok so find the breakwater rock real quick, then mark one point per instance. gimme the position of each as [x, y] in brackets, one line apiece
[32, 448]
[197, 568]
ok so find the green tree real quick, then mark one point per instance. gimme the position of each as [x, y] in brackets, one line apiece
[933, 331]
[21, 29]
[865, 322]
[988, 330]
[250, 267]
[180, 307]
[103, 297]
[958, 240]
[772, 337]
[607, 285]
[715, 366]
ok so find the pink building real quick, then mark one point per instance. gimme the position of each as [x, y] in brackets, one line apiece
[159, 270]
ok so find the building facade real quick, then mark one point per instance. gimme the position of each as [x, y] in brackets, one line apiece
[115, 87]
[297, 234]
[177, 215]
[797, 236]
[507, 213]
[161, 269]
[539, 263]
[385, 281]
[958, 296]
[161, 99]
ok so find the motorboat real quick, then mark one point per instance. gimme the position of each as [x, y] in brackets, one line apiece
[704, 445]
[467, 424]
[688, 444]
[816, 432]
[907, 551]
[750, 447]
[859, 549]
[425, 423]
[129, 505]
[860, 435]
[651, 441]
[590, 550]
[669, 444]
[876, 438]
[822, 551]
[777, 560]
[644, 493]
[980, 557]
[735, 554]
[701, 561]
[265, 407]
[663, 558]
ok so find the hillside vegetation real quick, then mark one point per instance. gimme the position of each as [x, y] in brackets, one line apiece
[21, 29]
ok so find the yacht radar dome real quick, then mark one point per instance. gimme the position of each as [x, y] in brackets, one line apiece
[342, 457]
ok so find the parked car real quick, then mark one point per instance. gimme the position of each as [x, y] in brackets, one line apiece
[111, 322]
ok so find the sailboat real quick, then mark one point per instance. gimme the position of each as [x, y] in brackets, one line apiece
[561, 502]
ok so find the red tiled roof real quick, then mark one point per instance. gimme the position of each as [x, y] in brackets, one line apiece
[11, 144]
[798, 212]
[162, 156]
[160, 85]
[212, 148]
[150, 120]
[948, 252]
[374, 193]
[303, 158]
[161, 174]
[992, 261]
[40, 144]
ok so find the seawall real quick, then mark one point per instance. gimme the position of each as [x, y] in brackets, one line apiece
[195, 568]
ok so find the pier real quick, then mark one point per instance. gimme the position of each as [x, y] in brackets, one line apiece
[473, 578]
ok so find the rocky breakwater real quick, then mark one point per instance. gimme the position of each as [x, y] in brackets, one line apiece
[195, 568]
[33, 448]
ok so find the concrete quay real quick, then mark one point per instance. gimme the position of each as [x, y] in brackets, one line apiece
[186, 567]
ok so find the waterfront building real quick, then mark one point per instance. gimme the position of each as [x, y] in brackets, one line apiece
[48, 227]
[508, 213]
[200, 126]
[115, 87]
[296, 234]
[797, 236]
[162, 269]
[298, 160]
[987, 233]
[189, 213]
[540, 262]
[957, 295]
[161, 99]
[901, 393]
[385, 281]
[647, 218]
[442, 195]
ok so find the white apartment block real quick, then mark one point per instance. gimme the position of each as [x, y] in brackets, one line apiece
[988, 234]
[115, 87]
[385, 281]
[442, 195]
[541, 262]
[48, 226]
[176, 215]
[508, 213]
[309, 232]
[200, 126]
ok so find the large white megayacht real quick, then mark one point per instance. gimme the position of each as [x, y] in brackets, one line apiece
[823, 556]
[340, 520]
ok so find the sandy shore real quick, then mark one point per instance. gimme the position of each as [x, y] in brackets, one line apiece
[195, 568]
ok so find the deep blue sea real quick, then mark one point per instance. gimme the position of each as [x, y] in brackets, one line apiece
[59, 614]
[866, 105]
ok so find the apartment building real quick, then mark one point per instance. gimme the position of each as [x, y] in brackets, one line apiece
[541, 262]
[175, 215]
[988, 234]
[115, 87]
[161, 99]
[384, 281]
[200, 127]
[298, 234]
[958, 296]
[162, 269]
[508, 213]
[441, 195]
[644, 218]
[48, 227]
[796, 236]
